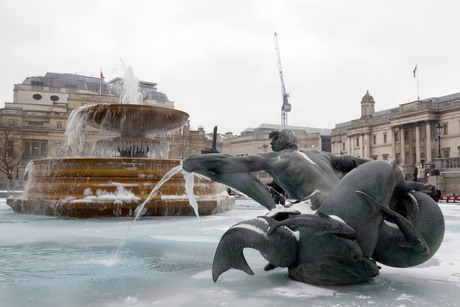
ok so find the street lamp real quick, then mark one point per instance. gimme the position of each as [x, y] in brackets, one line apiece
[439, 130]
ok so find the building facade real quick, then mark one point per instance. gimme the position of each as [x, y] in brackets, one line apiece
[38, 116]
[417, 134]
[256, 140]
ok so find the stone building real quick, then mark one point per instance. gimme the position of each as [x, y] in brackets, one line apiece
[41, 107]
[408, 133]
[255, 140]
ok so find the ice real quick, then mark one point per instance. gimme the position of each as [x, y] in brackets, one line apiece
[167, 261]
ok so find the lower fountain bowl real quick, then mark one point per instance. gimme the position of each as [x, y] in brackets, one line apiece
[113, 187]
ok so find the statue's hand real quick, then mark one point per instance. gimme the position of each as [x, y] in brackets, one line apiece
[187, 165]
[192, 163]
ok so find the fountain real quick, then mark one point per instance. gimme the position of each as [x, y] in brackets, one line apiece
[116, 186]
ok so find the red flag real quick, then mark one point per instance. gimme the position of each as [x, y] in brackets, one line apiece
[102, 76]
[415, 70]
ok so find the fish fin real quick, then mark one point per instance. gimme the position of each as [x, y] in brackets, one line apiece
[414, 238]
[272, 223]
[269, 266]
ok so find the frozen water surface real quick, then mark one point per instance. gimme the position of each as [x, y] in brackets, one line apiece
[166, 261]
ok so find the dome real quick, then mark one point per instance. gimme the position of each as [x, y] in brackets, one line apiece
[367, 98]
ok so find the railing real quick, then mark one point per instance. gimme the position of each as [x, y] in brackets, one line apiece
[451, 163]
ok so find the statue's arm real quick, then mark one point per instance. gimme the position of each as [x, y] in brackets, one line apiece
[345, 163]
[232, 171]
[224, 163]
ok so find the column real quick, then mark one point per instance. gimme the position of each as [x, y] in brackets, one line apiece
[393, 141]
[361, 147]
[350, 144]
[428, 157]
[417, 144]
[402, 154]
[366, 145]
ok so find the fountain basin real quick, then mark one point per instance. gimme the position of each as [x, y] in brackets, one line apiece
[133, 120]
[113, 187]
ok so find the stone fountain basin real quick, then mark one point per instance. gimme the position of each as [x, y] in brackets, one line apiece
[134, 120]
[113, 187]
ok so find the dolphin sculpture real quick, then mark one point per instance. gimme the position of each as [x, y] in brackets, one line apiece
[372, 215]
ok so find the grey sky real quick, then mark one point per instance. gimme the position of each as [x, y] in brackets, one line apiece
[216, 59]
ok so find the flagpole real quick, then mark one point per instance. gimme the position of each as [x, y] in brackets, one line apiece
[418, 94]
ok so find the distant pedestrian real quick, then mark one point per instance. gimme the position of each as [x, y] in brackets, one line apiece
[278, 194]
[415, 174]
[435, 194]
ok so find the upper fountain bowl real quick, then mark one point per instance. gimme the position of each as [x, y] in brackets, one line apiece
[133, 120]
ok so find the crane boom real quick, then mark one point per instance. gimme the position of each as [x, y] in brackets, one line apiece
[286, 106]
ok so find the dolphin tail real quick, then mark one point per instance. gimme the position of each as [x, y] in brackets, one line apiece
[427, 218]
[280, 249]
[229, 253]
[414, 238]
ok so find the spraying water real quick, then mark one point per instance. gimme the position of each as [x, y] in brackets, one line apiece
[189, 183]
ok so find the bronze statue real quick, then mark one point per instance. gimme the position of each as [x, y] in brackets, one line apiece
[371, 215]
[305, 174]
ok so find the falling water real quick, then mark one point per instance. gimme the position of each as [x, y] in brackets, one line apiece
[74, 135]
[139, 210]
[189, 183]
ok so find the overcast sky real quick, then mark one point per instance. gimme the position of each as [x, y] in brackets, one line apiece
[216, 59]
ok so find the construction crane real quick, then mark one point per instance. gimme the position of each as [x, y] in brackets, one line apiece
[286, 107]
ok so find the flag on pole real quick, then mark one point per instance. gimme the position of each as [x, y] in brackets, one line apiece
[100, 83]
[415, 70]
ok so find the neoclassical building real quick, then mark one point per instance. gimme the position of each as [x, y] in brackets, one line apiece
[409, 133]
[256, 140]
[34, 123]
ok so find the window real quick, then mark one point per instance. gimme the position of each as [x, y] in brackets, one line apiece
[54, 98]
[37, 96]
[384, 138]
[385, 156]
[27, 149]
[444, 129]
[59, 125]
[34, 149]
[396, 136]
[36, 83]
[357, 141]
[11, 122]
[406, 135]
[343, 146]
[446, 152]
[374, 140]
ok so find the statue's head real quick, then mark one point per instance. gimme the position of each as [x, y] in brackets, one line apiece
[283, 139]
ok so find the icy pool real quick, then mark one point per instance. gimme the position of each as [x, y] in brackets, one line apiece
[166, 261]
